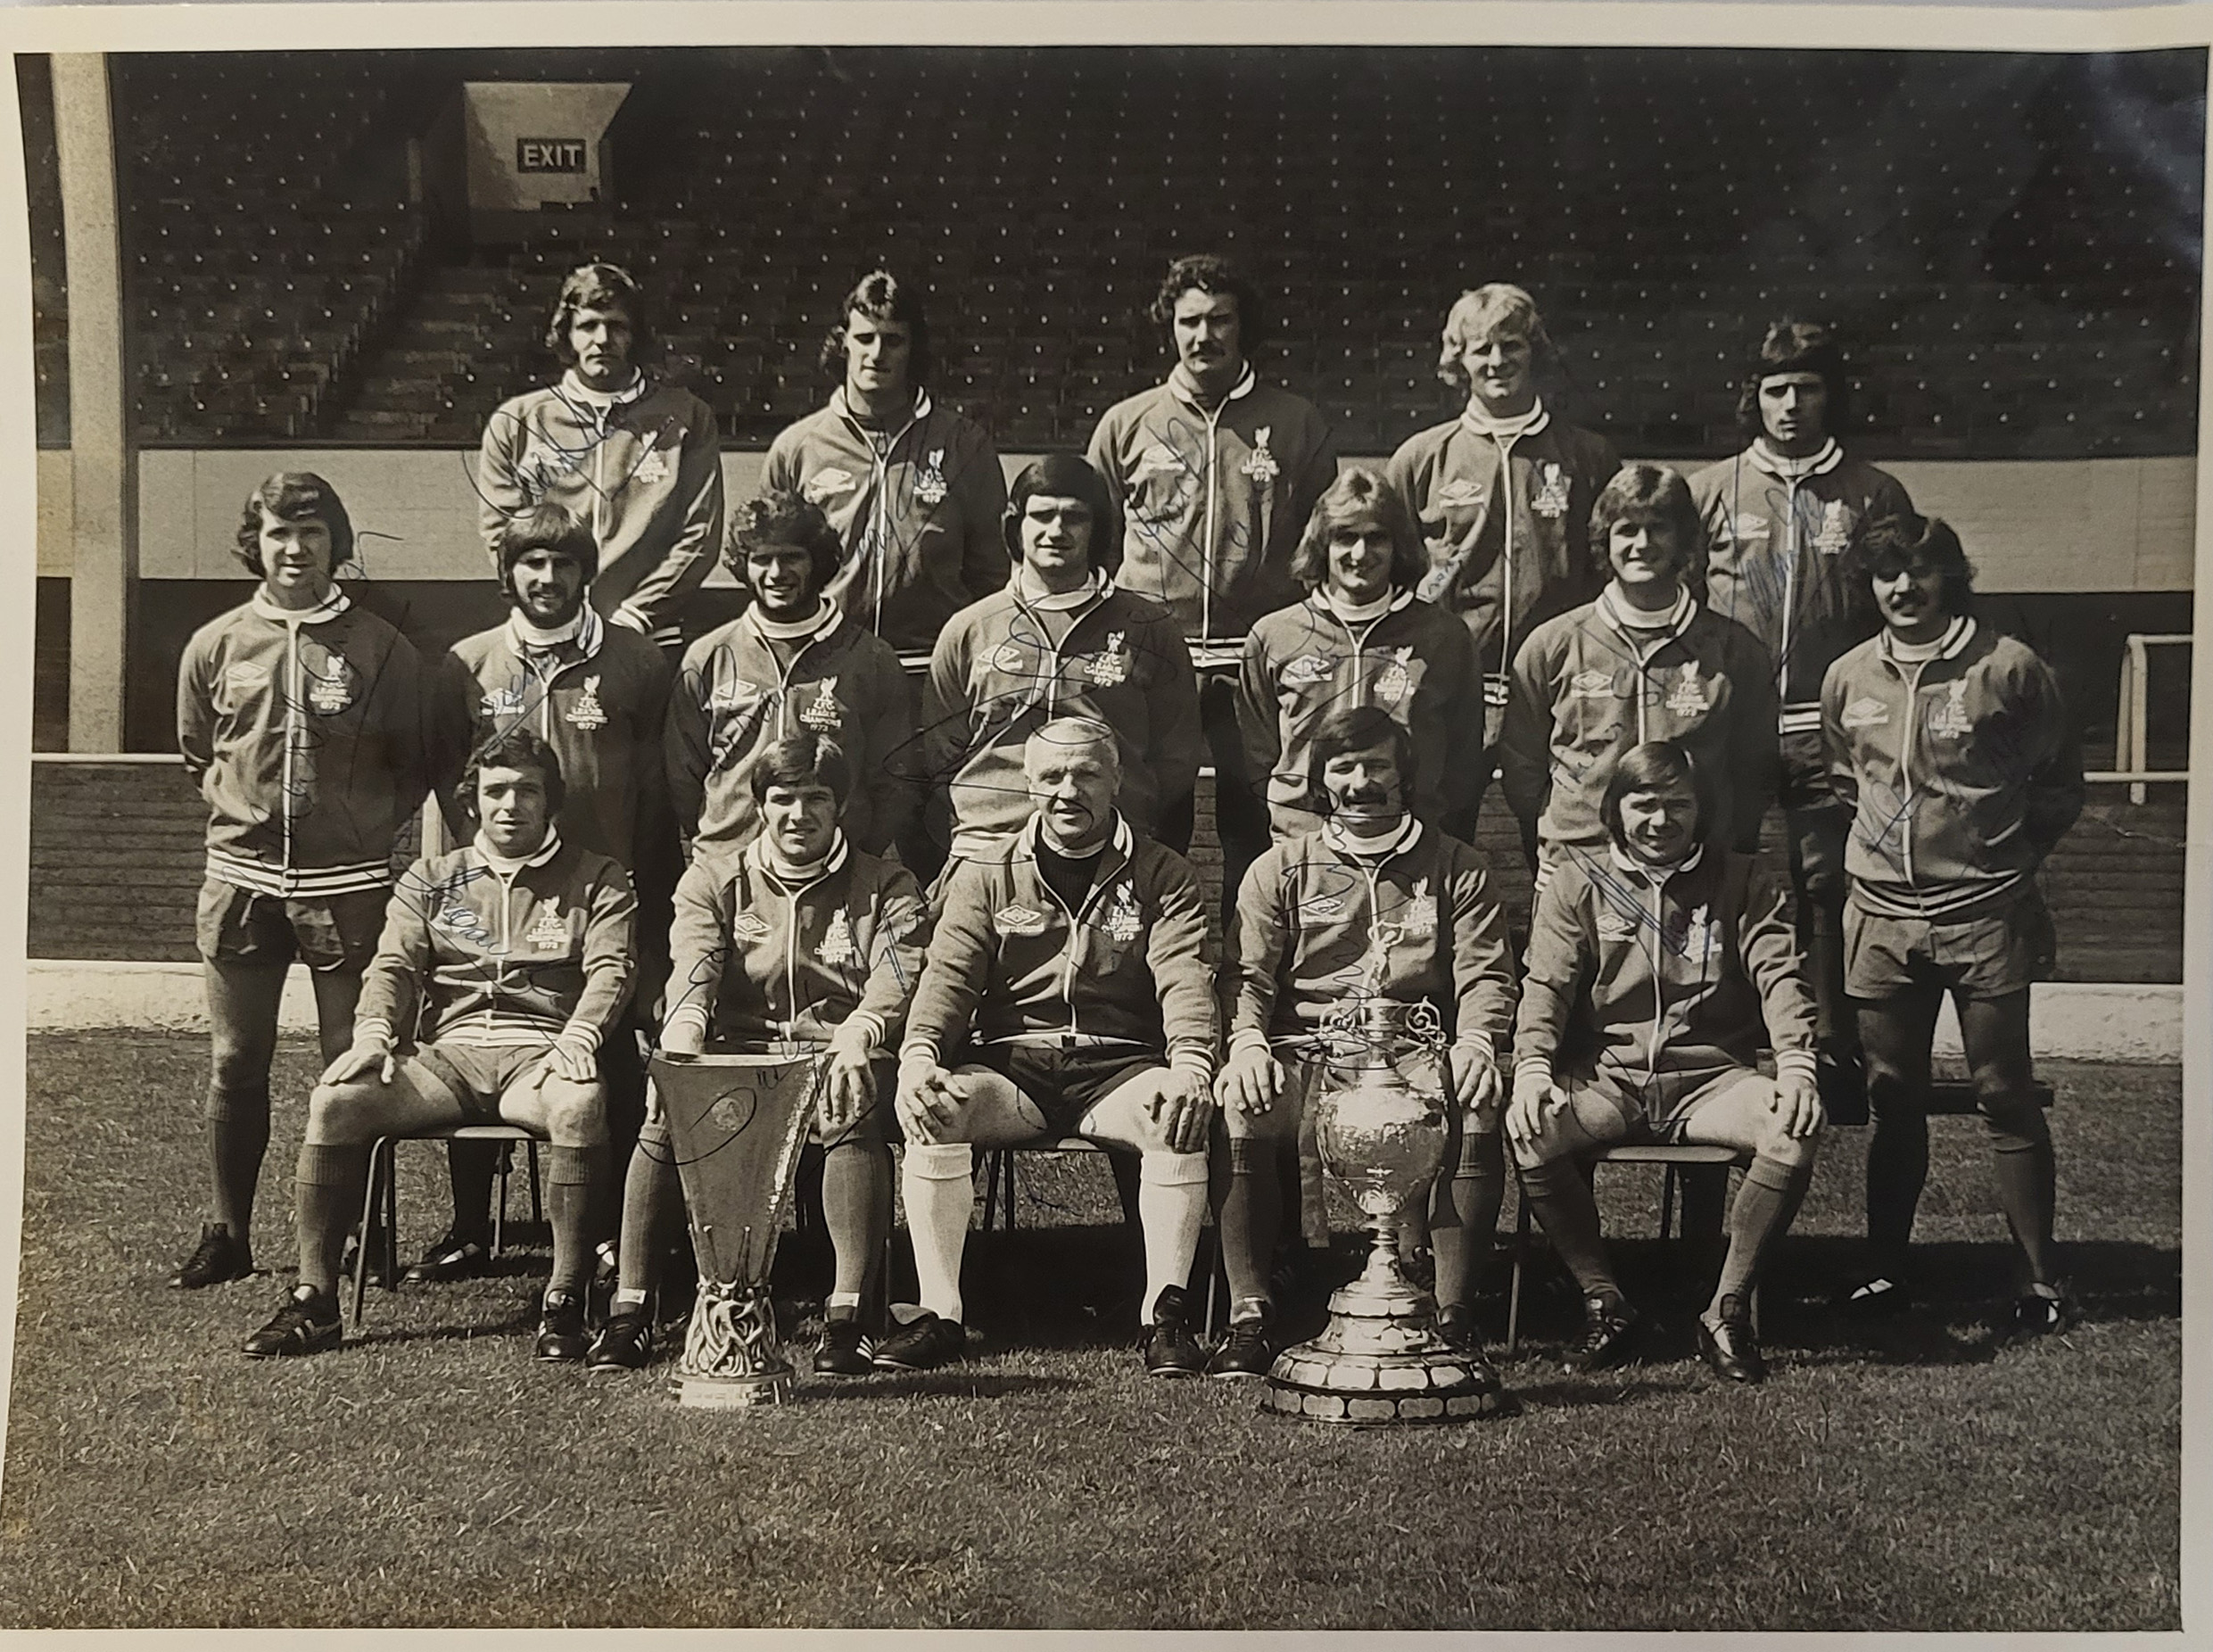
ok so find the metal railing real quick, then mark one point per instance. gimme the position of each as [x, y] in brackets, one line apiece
[2131, 747]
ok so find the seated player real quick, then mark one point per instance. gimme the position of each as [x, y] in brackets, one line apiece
[798, 935]
[1062, 639]
[1643, 662]
[1952, 744]
[1374, 903]
[510, 959]
[1068, 992]
[1654, 969]
[1361, 638]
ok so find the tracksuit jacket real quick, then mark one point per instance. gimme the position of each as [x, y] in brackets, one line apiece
[599, 701]
[1305, 661]
[476, 954]
[758, 959]
[733, 700]
[1508, 524]
[1214, 500]
[1785, 559]
[643, 467]
[996, 677]
[918, 506]
[1587, 688]
[1662, 983]
[1130, 964]
[1319, 926]
[304, 734]
[1963, 773]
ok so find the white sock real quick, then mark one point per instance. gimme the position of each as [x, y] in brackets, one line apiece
[843, 1299]
[938, 1185]
[1171, 1207]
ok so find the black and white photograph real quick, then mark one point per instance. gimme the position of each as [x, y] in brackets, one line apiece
[1369, 823]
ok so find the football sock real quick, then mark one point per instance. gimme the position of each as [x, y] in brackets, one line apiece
[939, 1182]
[1252, 1211]
[238, 1137]
[2026, 1174]
[1171, 1207]
[470, 1166]
[1464, 1219]
[652, 1203]
[570, 1174]
[1898, 1166]
[1566, 1207]
[328, 1187]
[1766, 1204]
[857, 1208]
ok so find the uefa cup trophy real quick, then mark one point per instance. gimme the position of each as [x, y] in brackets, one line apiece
[736, 1124]
[1378, 1103]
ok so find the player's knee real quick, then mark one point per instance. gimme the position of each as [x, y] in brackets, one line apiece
[2015, 1123]
[340, 1114]
[1778, 1145]
[237, 1064]
[576, 1114]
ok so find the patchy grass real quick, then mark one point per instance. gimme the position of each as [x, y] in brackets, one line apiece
[1924, 1477]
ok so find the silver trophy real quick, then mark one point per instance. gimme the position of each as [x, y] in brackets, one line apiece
[1380, 1110]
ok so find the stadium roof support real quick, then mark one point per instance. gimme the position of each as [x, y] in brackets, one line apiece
[106, 567]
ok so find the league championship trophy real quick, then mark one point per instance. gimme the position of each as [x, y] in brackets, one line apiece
[736, 1124]
[1379, 1104]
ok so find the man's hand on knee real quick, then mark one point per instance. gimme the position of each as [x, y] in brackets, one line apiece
[1476, 1084]
[1535, 1095]
[1181, 1108]
[370, 1052]
[1249, 1081]
[1798, 1106]
[848, 1086]
[576, 1057]
[924, 1101]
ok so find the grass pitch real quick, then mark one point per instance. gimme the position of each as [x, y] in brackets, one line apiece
[1923, 1476]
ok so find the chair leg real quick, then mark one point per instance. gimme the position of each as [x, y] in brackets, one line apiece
[1521, 1259]
[392, 1215]
[369, 1215]
[993, 1159]
[1667, 1201]
[537, 1201]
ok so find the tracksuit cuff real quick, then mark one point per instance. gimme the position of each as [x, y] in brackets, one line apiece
[692, 1013]
[1249, 1038]
[631, 619]
[1199, 1064]
[861, 1032]
[1478, 1043]
[1533, 1067]
[1794, 1064]
[579, 1035]
[374, 1027]
[917, 1052]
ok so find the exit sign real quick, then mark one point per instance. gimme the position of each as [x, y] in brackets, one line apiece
[550, 155]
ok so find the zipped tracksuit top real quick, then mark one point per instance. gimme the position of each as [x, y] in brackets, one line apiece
[735, 697]
[1305, 661]
[758, 959]
[1662, 983]
[996, 677]
[1785, 559]
[1214, 500]
[599, 702]
[644, 467]
[1587, 687]
[1131, 964]
[919, 507]
[1963, 773]
[305, 735]
[1319, 926]
[1506, 520]
[525, 956]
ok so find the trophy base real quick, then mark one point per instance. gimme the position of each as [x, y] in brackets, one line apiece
[729, 1394]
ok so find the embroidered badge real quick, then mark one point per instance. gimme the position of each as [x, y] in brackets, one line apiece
[1110, 665]
[1420, 923]
[1321, 908]
[550, 932]
[828, 483]
[543, 466]
[735, 694]
[1158, 457]
[330, 688]
[1395, 682]
[749, 926]
[457, 919]
[1550, 501]
[1835, 537]
[505, 703]
[585, 712]
[1614, 924]
[246, 677]
[1309, 669]
[929, 487]
[1260, 463]
[1702, 936]
[651, 469]
[1950, 720]
[837, 947]
[1751, 524]
[1010, 657]
[1124, 922]
[1497, 689]
[1688, 697]
[1018, 920]
[1591, 685]
[1866, 714]
[823, 714]
[1459, 493]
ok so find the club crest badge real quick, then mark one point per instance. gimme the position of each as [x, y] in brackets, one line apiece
[929, 487]
[1394, 682]
[651, 469]
[1420, 923]
[1124, 922]
[1949, 720]
[1702, 937]
[1460, 494]
[750, 928]
[585, 712]
[1688, 697]
[1018, 920]
[1835, 537]
[1260, 463]
[550, 932]
[828, 483]
[1550, 501]
[1591, 685]
[506, 703]
[1749, 525]
[1866, 714]
[837, 947]
[1307, 669]
[1110, 667]
[823, 714]
[330, 687]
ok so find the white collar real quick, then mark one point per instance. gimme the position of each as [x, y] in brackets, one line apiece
[1379, 848]
[1656, 875]
[790, 875]
[575, 389]
[1389, 602]
[1672, 624]
[1180, 385]
[508, 867]
[1484, 424]
[817, 624]
[330, 607]
[1097, 587]
[915, 415]
[1787, 469]
[1956, 637]
[1121, 840]
[586, 630]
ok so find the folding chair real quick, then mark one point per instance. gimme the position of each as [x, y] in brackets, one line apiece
[380, 1201]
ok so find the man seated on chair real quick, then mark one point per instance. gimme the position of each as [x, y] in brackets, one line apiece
[1654, 968]
[1070, 978]
[1375, 904]
[511, 959]
[797, 936]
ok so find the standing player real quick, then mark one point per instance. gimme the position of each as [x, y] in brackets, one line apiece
[633, 454]
[298, 714]
[512, 957]
[597, 694]
[1215, 475]
[1655, 973]
[1502, 493]
[1070, 967]
[1952, 744]
[912, 489]
[1062, 639]
[1372, 904]
[1785, 523]
[1643, 662]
